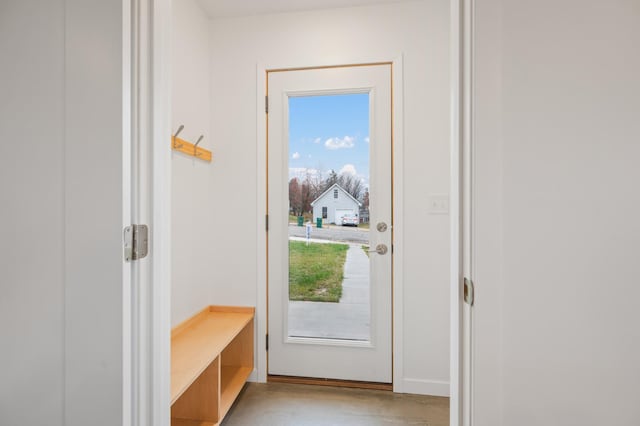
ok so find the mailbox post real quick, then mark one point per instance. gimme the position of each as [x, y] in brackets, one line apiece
[308, 232]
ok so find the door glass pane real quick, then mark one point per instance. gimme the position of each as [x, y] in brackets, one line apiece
[329, 286]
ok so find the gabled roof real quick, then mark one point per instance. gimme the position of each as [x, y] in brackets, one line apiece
[335, 185]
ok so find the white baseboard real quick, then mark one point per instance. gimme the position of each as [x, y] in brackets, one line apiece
[254, 376]
[426, 387]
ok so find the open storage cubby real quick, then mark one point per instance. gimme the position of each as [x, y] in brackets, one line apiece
[211, 360]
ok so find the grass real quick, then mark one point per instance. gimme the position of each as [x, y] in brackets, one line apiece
[316, 271]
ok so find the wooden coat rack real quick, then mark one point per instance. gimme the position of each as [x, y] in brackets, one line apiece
[189, 148]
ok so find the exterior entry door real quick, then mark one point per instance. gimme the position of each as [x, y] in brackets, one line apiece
[330, 222]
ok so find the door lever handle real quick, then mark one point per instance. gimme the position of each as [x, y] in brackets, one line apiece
[380, 249]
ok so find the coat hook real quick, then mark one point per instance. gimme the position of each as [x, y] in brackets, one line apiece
[176, 135]
[195, 146]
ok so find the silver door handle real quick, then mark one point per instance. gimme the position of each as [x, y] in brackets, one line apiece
[380, 249]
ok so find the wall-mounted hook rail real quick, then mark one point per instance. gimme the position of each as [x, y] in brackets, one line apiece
[189, 148]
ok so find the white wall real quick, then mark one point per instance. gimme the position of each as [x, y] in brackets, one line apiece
[61, 213]
[557, 341]
[193, 198]
[419, 32]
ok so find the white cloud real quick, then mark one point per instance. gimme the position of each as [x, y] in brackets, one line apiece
[295, 155]
[349, 169]
[339, 143]
[317, 140]
[366, 139]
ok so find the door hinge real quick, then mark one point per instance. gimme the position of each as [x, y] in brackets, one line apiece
[267, 344]
[266, 222]
[136, 242]
[469, 292]
[266, 104]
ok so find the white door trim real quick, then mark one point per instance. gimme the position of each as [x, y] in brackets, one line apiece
[260, 360]
[261, 200]
[127, 276]
[462, 73]
[160, 249]
[146, 82]
[454, 211]
[397, 93]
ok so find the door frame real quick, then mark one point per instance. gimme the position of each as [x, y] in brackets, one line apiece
[456, 87]
[397, 200]
[146, 47]
[461, 72]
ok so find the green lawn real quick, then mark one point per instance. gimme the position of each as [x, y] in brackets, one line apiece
[316, 271]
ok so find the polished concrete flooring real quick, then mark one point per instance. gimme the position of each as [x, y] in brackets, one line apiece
[280, 404]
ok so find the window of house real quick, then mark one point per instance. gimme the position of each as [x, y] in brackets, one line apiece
[335, 193]
[324, 212]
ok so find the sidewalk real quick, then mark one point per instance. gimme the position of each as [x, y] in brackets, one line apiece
[350, 318]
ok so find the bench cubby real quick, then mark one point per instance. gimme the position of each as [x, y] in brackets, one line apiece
[211, 360]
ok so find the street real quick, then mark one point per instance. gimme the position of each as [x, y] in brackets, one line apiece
[332, 233]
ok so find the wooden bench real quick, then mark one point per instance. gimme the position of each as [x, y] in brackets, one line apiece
[211, 360]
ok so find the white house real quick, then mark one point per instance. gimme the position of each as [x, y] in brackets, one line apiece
[334, 204]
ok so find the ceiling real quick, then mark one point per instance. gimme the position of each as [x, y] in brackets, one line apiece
[228, 8]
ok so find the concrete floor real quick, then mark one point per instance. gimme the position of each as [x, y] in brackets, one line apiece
[279, 404]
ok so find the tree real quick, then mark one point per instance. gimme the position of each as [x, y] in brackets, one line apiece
[352, 184]
[306, 196]
[314, 180]
[330, 180]
[302, 193]
[295, 197]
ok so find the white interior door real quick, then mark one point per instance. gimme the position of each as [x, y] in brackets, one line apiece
[350, 337]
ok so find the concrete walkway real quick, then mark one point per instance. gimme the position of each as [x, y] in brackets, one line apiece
[350, 318]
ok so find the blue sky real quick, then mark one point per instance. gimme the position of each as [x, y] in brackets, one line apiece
[329, 132]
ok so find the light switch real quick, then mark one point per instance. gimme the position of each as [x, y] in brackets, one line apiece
[438, 204]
